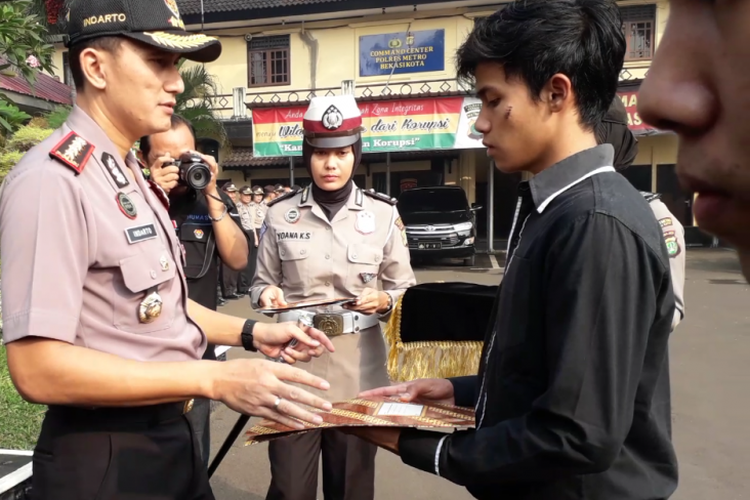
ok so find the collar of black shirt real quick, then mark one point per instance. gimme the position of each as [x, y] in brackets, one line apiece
[551, 183]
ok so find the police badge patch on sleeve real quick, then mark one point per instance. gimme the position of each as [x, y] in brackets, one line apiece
[666, 222]
[673, 246]
[400, 225]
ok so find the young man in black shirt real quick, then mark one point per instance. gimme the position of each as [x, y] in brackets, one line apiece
[572, 399]
[209, 229]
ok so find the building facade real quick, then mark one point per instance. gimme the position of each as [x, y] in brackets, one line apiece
[398, 61]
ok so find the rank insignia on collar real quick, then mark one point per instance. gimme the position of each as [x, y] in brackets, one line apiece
[367, 277]
[126, 205]
[114, 170]
[74, 151]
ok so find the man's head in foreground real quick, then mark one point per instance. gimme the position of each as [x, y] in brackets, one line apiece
[697, 86]
[123, 59]
[546, 72]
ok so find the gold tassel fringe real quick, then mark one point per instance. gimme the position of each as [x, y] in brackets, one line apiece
[414, 360]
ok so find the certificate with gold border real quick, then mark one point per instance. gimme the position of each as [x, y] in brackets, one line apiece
[372, 412]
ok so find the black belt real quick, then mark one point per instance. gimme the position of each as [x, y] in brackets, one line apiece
[136, 415]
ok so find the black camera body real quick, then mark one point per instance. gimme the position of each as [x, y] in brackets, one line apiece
[194, 172]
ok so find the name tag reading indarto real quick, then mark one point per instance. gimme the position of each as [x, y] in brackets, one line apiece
[140, 233]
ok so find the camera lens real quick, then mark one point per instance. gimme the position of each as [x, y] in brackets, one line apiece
[198, 176]
[195, 175]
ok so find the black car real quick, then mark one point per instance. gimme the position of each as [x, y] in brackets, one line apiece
[439, 223]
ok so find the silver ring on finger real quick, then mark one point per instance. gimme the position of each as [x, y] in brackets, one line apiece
[277, 403]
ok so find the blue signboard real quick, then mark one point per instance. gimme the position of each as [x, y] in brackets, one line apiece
[406, 52]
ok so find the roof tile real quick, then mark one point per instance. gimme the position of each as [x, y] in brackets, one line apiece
[191, 7]
[46, 88]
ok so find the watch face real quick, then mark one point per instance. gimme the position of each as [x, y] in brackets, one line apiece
[307, 304]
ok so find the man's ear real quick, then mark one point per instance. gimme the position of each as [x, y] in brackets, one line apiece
[94, 66]
[558, 93]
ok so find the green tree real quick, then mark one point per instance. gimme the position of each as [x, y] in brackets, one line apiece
[23, 50]
[22, 35]
[195, 103]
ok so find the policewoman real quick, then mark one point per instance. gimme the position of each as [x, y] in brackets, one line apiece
[98, 325]
[330, 240]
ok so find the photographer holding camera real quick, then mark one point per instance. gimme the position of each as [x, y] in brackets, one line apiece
[207, 224]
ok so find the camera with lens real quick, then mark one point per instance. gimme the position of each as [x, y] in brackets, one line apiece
[194, 172]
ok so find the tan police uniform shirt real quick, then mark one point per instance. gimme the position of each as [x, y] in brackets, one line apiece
[258, 211]
[310, 258]
[674, 237]
[76, 266]
[246, 216]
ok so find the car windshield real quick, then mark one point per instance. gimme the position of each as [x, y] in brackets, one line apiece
[432, 201]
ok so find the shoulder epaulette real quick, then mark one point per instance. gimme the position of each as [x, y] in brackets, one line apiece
[650, 196]
[284, 196]
[380, 196]
[74, 151]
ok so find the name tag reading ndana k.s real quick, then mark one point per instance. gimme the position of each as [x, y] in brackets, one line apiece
[140, 233]
[400, 410]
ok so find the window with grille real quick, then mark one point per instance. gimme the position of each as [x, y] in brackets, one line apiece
[268, 61]
[639, 26]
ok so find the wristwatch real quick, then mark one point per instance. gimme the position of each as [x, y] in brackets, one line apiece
[390, 303]
[247, 335]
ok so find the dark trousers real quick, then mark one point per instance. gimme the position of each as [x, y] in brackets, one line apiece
[348, 467]
[200, 421]
[229, 279]
[247, 274]
[118, 454]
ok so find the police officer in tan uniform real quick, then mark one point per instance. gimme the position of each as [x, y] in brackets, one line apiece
[614, 130]
[98, 325]
[248, 225]
[259, 207]
[330, 240]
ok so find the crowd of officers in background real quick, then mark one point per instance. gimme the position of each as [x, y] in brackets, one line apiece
[252, 204]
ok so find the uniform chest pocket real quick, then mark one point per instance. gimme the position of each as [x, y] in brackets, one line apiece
[199, 243]
[141, 275]
[294, 257]
[363, 264]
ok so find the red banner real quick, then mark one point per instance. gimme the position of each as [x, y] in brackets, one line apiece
[630, 100]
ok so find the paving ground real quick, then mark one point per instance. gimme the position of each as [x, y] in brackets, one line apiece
[710, 367]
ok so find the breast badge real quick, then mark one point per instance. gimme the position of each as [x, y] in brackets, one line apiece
[198, 233]
[292, 216]
[150, 307]
[126, 206]
[365, 222]
[164, 263]
[367, 277]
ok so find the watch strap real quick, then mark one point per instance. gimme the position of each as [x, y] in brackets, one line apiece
[247, 335]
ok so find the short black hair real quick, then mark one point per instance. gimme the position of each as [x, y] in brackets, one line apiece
[106, 43]
[535, 39]
[176, 121]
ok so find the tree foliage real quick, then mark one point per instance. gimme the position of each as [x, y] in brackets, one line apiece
[21, 36]
[195, 102]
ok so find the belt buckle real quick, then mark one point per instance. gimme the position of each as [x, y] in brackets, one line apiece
[188, 406]
[330, 324]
